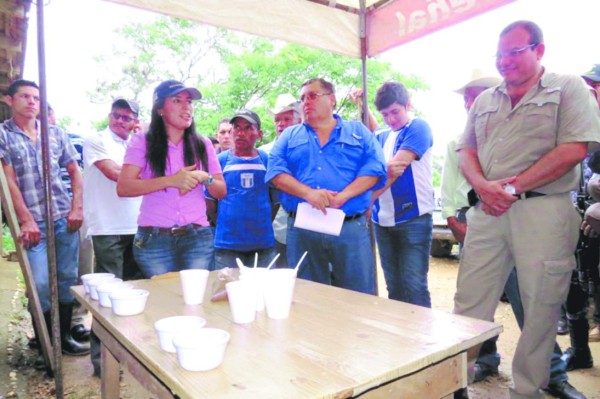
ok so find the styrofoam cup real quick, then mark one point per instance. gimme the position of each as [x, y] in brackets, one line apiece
[242, 295]
[201, 350]
[168, 327]
[193, 285]
[279, 291]
[87, 277]
[95, 282]
[256, 275]
[128, 302]
[106, 288]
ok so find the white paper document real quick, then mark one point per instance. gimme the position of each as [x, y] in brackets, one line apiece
[313, 219]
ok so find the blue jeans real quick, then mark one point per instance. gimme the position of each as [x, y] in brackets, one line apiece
[350, 256]
[558, 368]
[404, 254]
[159, 253]
[226, 257]
[67, 255]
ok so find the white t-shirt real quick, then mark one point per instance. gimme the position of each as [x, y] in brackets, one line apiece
[104, 211]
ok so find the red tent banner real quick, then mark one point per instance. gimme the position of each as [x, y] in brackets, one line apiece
[402, 21]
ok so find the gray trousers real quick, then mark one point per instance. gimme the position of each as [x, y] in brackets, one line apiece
[538, 236]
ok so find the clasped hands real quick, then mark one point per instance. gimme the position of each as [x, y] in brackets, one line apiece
[495, 200]
[188, 178]
[321, 199]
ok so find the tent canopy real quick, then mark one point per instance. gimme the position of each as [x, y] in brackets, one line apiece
[335, 26]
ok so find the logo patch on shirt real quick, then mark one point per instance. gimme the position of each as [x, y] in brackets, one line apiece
[247, 180]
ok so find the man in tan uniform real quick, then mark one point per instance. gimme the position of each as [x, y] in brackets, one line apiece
[520, 152]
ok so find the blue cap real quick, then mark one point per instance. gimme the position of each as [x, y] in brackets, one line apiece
[170, 88]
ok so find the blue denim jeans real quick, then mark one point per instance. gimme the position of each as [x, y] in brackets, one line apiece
[404, 254]
[67, 255]
[226, 257]
[159, 253]
[350, 256]
[558, 368]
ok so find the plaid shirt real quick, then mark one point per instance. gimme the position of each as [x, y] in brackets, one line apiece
[18, 151]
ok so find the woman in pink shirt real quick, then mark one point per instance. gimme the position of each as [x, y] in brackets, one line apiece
[170, 166]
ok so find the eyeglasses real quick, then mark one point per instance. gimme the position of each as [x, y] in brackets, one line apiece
[312, 96]
[124, 118]
[514, 52]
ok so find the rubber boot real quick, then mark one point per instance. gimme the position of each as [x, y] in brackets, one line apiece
[69, 345]
[578, 356]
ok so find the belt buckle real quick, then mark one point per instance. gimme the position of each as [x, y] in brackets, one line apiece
[178, 230]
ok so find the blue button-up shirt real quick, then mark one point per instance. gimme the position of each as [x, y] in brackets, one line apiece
[18, 151]
[351, 152]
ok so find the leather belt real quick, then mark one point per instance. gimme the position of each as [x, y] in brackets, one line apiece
[174, 231]
[528, 194]
[346, 219]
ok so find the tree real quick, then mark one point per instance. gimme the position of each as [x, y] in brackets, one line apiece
[232, 70]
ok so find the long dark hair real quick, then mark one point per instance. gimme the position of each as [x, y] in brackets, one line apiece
[157, 146]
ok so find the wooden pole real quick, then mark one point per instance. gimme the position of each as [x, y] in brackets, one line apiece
[50, 241]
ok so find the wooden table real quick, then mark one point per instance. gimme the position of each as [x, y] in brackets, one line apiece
[335, 344]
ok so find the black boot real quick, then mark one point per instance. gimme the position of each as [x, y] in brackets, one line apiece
[69, 345]
[578, 356]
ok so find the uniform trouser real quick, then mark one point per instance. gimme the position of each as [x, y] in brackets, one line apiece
[538, 236]
[86, 265]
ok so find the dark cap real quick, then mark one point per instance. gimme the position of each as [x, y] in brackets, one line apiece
[249, 116]
[170, 88]
[593, 74]
[123, 103]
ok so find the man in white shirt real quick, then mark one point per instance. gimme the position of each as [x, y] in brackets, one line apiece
[111, 220]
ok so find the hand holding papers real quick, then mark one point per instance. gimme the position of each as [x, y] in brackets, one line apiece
[313, 219]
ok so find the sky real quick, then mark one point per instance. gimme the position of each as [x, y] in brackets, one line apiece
[76, 31]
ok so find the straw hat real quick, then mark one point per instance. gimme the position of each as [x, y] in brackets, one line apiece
[285, 102]
[480, 79]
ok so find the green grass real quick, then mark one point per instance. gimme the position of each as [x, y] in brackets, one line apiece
[7, 241]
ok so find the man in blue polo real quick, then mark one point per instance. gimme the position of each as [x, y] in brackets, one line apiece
[328, 163]
[402, 209]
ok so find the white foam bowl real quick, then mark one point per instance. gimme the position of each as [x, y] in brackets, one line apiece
[168, 327]
[128, 302]
[87, 277]
[106, 288]
[95, 282]
[201, 350]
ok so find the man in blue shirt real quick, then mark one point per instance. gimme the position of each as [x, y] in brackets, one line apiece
[403, 208]
[244, 228]
[329, 163]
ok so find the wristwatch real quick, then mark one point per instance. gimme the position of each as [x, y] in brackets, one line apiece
[509, 188]
[210, 180]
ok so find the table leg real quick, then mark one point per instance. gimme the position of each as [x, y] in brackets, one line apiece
[110, 375]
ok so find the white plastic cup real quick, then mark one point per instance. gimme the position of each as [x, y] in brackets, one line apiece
[201, 350]
[106, 288]
[87, 277]
[167, 328]
[94, 283]
[256, 275]
[242, 296]
[279, 291]
[193, 285]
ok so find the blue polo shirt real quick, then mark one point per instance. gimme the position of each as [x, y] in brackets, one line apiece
[351, 152]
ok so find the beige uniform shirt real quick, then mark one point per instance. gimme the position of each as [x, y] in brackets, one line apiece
[559, 109]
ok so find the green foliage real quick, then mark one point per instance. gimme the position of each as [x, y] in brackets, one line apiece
[232, 70]
[437, 167]
[8, 243]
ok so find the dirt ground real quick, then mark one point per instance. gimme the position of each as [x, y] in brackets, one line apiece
[18, 378]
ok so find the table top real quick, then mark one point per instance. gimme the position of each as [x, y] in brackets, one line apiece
[336, 342]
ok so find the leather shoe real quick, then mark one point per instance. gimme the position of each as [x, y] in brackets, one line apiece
[80, 333]
[462, 393]
[562, 327]
[564, 390]
[480, 373]
[577, 359]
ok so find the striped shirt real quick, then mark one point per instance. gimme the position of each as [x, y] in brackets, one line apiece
[18, 151]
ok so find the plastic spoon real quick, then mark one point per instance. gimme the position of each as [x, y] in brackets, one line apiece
[255, 259]
[273, 261]
[240, 264]
[300, 261]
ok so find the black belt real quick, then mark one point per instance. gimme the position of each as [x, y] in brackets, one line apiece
[528, 194]
[175, 230]
[346, 219]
